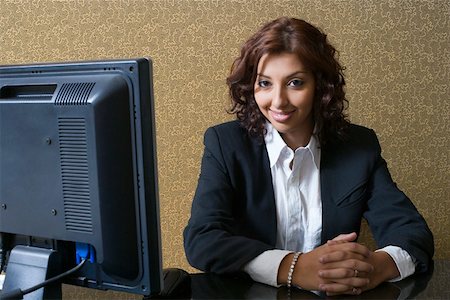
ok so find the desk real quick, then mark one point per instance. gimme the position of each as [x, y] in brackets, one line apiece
[433, 285]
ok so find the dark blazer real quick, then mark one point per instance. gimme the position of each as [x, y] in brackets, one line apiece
[233, 216]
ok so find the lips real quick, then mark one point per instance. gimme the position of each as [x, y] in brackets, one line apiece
[280, 116]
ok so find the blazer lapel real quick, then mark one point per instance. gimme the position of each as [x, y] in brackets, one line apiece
[264, 194]
[343, 174]
[327, 173]
[336, 172]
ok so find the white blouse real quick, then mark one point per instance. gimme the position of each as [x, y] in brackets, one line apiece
[296, 184]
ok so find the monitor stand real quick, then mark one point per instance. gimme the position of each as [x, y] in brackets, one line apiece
[29, 266]
[177, 285]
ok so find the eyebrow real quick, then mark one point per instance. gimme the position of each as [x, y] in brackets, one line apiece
[290, 75]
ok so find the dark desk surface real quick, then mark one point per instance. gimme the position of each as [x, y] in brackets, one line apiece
[433, 285]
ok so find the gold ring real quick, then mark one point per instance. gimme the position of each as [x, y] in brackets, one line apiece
[356, 273]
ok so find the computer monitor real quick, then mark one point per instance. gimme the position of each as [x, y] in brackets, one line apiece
[78, 174]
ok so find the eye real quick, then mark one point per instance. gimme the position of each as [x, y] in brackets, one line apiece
[263, 83]
[296, 83]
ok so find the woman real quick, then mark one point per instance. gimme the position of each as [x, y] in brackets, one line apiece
[283, 189]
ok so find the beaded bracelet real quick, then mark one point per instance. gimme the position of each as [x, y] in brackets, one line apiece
[291, 269]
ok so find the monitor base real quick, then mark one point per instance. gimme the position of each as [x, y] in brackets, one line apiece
[29, 266]
[177, 285]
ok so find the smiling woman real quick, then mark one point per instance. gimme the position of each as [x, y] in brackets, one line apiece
[314, 56]
[284, 92]
[293, 160]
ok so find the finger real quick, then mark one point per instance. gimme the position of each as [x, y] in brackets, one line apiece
[339, 273]
[346, 237]
[335, 242]
[343, 276]
[353, 291]
[360, 266]
[351, 247]
[344, 251]
[332, 289]
[357, 282]
[339, 256]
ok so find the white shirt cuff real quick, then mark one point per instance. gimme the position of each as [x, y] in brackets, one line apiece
[264, 267]
[405, 263]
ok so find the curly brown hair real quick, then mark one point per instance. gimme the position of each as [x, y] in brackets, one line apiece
[316, 53]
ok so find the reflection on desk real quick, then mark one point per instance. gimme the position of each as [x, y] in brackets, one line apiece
[432, 285]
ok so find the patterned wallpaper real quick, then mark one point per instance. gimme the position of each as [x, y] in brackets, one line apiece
[397, 55]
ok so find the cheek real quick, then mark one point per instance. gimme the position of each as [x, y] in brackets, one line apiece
[261, 101]
[303, 99]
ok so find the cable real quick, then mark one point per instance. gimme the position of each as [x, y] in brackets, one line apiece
[18, 293]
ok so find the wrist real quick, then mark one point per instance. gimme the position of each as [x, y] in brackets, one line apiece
[304, 274]
[283, 269]
[384, 267]
[287, 269]
[291, 269]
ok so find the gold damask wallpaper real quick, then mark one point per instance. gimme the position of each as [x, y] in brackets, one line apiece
[397, 55]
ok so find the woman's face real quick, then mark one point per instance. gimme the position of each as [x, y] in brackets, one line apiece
[284, 92]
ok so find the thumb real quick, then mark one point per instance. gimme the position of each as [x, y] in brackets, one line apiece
[345, 237]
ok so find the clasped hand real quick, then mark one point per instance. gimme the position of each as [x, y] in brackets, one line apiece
[341, 266]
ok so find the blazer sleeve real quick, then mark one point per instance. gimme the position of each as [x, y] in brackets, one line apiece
[393, 218]
[212, 239]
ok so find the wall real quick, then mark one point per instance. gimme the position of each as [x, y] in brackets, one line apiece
[397, 55]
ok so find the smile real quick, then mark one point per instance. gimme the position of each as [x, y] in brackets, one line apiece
[280, 116]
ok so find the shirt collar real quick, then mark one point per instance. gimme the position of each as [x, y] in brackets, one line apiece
[275, 145]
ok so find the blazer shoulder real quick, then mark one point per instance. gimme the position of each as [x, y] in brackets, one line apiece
[229, 134]
[227, 128]
[361, 134]
[357, 138]
[358, 149]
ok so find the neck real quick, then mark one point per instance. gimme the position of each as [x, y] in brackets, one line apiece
[299, 138]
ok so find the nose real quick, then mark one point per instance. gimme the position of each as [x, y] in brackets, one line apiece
[279, 97]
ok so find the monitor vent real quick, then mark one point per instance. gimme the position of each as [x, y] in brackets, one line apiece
[75, 176]
[74, 93]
